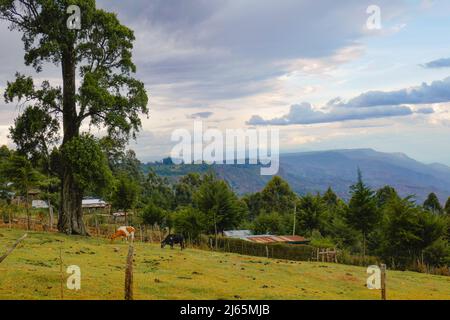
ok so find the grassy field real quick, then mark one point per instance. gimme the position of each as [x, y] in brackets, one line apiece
[32, 272]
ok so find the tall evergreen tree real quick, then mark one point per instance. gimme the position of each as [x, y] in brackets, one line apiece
[363, 214]
[432, 204]
[447, 206]
[384, 195]
[219, 204]
[408, 231]
[125, 194]
[311, 211]
[330, 198]
[278, 196]
[19, 171]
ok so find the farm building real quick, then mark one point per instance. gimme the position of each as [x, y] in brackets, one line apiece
[237, 234]
[92, 205]
[39, 204]
[247, 235]
[277, 239]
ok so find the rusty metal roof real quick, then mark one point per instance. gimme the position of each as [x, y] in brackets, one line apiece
[274, 239]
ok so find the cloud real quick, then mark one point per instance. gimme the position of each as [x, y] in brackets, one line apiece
[201, 115]
[224, 49]
[439, 63]
[436, 92]
[305, 114]
[369, 105]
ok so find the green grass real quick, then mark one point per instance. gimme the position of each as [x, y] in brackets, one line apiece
[32, 272]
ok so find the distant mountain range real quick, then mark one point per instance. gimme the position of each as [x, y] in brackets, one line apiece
[316, 171]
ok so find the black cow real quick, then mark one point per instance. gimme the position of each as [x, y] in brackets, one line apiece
[173, 239]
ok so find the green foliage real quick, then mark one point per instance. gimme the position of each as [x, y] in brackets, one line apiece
[125, 193]
[157, 190]
[432, 204]
[105, 95]
[153, 215]
[330, 198]
[5, 154]
[189, 222]
[336, 227]
[269, 223]
[278, 196]
[128, 164]
[19, 171]
[319, 241]
[447, 206]
[254, 203]
[102, 50]
[219, 204]
[384, 195]
[185, 189]
[310, 213]
[34, 131]
[89, 164]
[438, 253]
[363, 214]
[408, 230]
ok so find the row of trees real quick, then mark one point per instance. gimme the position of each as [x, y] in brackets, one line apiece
[379, 223]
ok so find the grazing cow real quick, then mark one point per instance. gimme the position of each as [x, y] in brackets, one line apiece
[124, 232]
[173, 239]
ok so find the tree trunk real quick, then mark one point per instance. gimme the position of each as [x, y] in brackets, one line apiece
[71, 215]
[27, 210]
[50, 213]
[364, 247]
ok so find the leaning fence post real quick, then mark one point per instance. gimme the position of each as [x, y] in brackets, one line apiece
[61, 287]
[13, 247]
[129, 274]
[383, 282]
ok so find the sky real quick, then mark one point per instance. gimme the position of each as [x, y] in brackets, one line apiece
[311, 68]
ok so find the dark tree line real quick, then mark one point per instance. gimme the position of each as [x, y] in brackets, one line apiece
[373, 222]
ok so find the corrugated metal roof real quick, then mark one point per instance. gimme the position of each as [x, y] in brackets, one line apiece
[274, 239]
[237, 233]
[89, 203]
[39, 204]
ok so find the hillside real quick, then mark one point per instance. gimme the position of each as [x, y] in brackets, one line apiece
[316, 171]
[32, 272]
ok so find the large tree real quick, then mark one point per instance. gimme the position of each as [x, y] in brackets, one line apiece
[100, 54]
[311, 213]
[409, 230]
[432, 204]
[363, 214]
[447, 206]
[221, 207]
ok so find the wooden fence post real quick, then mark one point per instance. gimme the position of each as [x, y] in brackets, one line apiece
[129, 274]
[383, 282]
[3, 257]
[97, 230]
[61, 274]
